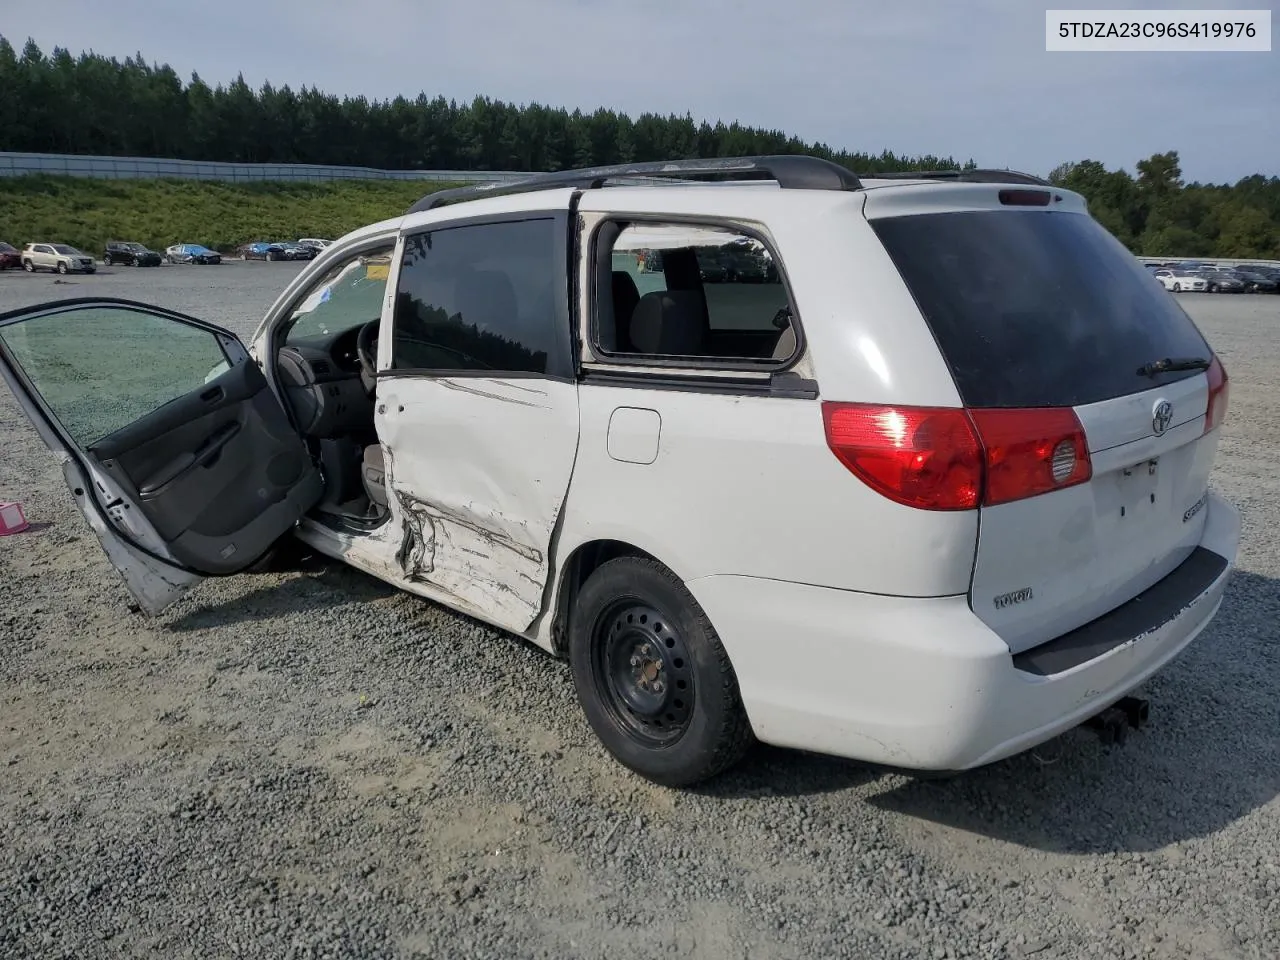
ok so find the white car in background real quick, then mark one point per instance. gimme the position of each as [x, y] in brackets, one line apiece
[56, 256]
[314, 242]
[1177, 281]
[936, 493]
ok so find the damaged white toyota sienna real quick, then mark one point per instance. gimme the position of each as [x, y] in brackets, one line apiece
[911, 470]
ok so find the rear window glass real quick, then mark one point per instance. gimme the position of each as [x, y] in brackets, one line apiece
[1036, 309]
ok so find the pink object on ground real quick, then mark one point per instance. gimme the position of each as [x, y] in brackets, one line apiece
[12, 519]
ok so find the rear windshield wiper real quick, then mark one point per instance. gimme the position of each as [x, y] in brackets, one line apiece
[1170, 363]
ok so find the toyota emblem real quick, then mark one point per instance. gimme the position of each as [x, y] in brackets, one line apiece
[1161, 416]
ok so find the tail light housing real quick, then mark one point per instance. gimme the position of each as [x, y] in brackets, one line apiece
[1219, 391]
[919, 456]
[948, 458]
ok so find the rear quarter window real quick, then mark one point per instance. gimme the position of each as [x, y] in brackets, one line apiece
[1037, 309]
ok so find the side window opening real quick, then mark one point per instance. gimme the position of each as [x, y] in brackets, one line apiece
[682, 290]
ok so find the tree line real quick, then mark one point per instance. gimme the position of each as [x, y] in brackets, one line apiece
[92, 104]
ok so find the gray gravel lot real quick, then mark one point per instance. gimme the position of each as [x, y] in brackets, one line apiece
[310, 764]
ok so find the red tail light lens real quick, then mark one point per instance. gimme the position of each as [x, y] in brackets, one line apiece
[1029, 452]
[1219, 390]
[954, 459]
[922, 457]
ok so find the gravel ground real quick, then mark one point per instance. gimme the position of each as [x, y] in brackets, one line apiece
[310, 764]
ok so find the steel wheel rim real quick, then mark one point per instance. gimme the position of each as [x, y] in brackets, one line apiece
[643, 670]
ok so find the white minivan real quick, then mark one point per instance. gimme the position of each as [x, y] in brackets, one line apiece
[912, 470]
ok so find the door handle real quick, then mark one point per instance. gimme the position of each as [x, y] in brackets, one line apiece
[212, 395]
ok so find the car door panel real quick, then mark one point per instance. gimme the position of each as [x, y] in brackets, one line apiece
[229, 449]
[478, 474]
[181, 470]
[477, 409]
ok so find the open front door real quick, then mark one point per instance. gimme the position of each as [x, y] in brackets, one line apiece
[173, 446]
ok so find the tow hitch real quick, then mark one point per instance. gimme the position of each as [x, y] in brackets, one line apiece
[1112, 724]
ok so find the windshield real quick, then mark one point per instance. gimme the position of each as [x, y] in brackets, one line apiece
[65, 250]
[7, 247]
[349, 295]
[1037, 309]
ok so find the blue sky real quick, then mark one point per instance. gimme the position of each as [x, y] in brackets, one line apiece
[968, 78]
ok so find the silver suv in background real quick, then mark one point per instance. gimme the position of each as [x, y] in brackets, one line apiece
[56, 256]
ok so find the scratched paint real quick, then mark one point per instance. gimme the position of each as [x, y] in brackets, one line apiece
[475, 509]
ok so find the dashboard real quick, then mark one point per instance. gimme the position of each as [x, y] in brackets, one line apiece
[321, 380]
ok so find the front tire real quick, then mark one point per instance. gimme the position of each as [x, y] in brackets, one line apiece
[62, 267]
[652, 676]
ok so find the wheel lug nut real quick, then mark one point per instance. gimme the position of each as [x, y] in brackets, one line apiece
[635, 661]
[658, 686]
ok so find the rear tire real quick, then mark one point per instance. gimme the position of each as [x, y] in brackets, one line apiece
[28, 266]
[652, 676]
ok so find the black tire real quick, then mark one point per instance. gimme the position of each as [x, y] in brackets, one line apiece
[652, 676]
[62, 266]
[28, 266]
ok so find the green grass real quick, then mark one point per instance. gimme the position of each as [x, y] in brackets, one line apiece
[86, 213]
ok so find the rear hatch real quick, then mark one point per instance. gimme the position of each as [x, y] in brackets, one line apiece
[1037, 309]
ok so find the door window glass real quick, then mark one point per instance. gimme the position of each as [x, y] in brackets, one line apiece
[480, 297]
[103, 368]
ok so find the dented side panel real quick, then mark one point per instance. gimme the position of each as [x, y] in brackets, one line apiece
[478, 469]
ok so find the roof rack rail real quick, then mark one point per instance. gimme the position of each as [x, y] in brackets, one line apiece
[792, 172]
[965, 176]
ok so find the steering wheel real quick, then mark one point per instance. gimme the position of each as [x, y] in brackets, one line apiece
[367, 355]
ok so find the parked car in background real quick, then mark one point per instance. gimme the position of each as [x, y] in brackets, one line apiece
[294, 250]
[191, 253]
[9, 256]
[1256, 280]
[56, 256]
[1222, 280]
[262, 250]
[1179, 279]
[315, 242]
[130, 255]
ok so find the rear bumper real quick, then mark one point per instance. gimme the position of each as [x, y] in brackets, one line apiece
[923, 683]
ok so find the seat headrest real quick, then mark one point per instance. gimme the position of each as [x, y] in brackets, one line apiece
[669, 323]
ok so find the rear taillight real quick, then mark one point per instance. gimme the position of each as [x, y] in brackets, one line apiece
[954, 459]
[922, 457]
[1029, 452]
[1219, 390]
